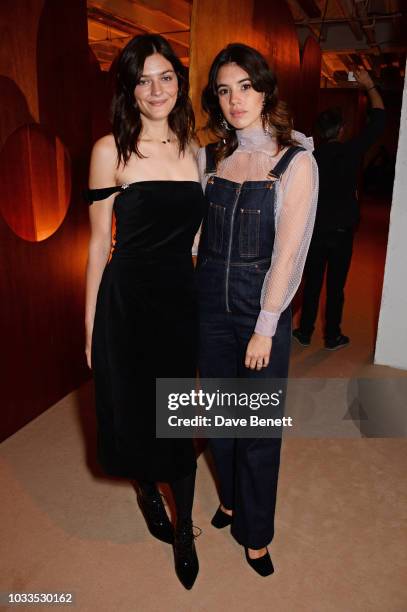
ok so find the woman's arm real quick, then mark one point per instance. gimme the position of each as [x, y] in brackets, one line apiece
[102, 174]
[295, 217]
[201, 163]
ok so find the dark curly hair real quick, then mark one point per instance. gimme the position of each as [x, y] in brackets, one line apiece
[275, 112]
[126, 120]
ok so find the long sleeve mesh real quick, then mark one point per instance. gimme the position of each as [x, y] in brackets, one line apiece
[295, 207]
[295, 215]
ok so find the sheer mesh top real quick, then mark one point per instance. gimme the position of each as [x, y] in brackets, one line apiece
[295, 207]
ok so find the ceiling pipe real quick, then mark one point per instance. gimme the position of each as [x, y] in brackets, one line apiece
[358, 20]
[346, 7]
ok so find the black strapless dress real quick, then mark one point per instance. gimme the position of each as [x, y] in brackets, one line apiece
[145, 326]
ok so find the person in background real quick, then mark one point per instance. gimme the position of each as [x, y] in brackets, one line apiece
[337, 215]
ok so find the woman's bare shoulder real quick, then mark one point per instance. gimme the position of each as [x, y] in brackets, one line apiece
[103, 164]
[105, 147]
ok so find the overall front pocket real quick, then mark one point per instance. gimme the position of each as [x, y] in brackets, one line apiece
[216, 221]
[249, 234]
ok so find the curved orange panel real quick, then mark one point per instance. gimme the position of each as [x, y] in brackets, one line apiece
[14, 108]
[36, 183]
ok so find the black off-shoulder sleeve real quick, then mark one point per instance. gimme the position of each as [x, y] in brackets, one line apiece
[93, 195]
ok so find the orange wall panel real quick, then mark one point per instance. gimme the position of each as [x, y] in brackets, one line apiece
[307, 106]
[45, 138]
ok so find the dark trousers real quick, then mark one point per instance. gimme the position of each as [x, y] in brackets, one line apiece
[330, 250]
[247, 468]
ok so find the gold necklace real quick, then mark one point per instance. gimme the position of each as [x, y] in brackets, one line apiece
[166, 141]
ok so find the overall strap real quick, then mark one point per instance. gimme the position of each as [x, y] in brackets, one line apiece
[210, 158]
[282, 165]
[92, 195]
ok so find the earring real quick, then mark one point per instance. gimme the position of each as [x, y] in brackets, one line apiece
[224, 124]
[264, 119]
[267, 131]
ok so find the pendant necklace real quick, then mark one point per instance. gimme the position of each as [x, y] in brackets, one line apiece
[162, 141]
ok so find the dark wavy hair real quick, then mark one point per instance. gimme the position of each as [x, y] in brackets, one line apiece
[328, 124]
[126, 120]
[275, 112]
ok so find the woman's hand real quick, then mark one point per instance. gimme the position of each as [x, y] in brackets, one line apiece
[258, 352]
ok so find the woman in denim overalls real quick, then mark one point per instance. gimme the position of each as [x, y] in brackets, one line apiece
[261, 195]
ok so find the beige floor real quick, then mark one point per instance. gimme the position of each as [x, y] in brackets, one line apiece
[340, 543]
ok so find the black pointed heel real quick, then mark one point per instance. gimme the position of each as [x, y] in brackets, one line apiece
[220, 519]
[263, 565]
[186, 559]
[158, 523]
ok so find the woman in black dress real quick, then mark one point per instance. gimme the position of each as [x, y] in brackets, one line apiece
[141, 318]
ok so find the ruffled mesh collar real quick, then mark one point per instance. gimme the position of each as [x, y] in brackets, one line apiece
[256, 139]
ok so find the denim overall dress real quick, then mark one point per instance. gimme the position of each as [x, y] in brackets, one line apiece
[234, 256]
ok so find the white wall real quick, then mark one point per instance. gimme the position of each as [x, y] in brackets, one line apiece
[391, 344]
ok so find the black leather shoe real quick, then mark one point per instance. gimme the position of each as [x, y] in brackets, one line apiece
[263, 565]
[303, 339]
[221, 519]
[333, 344]
[186, 560]
[157, 520]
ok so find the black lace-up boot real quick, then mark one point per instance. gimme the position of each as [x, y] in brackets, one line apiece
[186, 560]
[156, 517]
